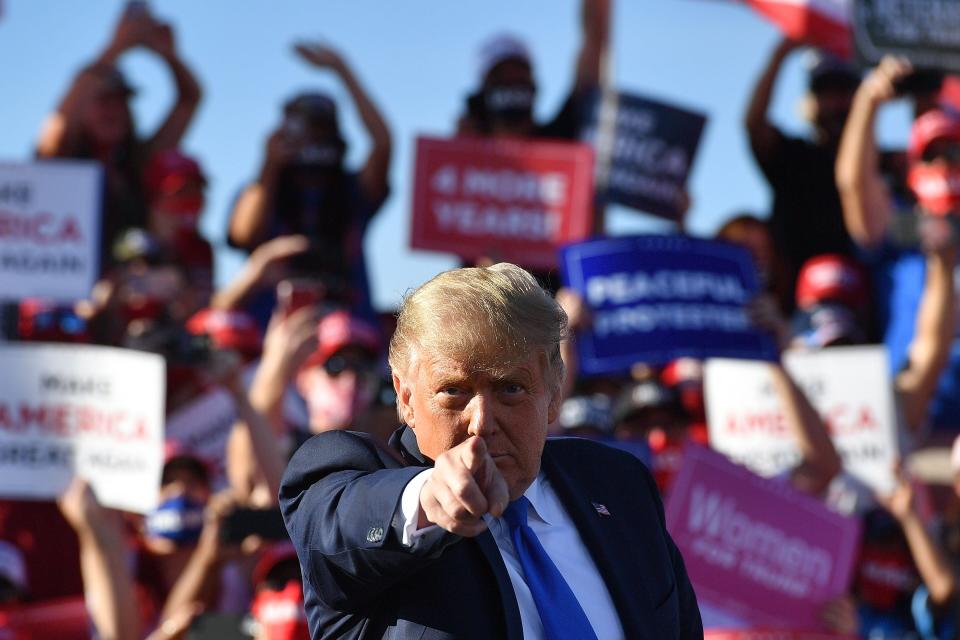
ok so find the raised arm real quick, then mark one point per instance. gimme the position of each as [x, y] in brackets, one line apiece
[867, 209]
[930, 560]
[595, 25]
[819, 460]
[936, 320]
[263, 269]
[253, 210]
[374, 176]
[161, 41]
[763, 135]
[107, 583]
[255, 460]
[61, 131]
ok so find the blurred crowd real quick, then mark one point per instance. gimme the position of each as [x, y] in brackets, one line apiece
[858, 247]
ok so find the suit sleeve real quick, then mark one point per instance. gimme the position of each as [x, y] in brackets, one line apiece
[339, 501]
[691, 625]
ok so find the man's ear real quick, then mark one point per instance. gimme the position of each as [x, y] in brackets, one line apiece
[404, 401]
[556, 399]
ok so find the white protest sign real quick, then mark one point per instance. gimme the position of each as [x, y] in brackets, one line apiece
[203, 427]
[849, 386]
[72, 410]
[49, 229]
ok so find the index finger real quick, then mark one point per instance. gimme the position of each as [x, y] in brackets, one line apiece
[473, 454]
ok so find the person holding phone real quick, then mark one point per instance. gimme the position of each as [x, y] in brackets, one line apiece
[304, 186]
[892, 218]
[94, 120]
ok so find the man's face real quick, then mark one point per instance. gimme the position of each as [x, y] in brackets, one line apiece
[833, 106]
[446, 401]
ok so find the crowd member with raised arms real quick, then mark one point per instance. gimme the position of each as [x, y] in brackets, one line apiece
[330, 360]
[805, 218]
[895, 235]
[502, 103]
[94, 120]
[304, 187]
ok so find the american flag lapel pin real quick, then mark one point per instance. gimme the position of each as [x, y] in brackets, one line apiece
[601, 508]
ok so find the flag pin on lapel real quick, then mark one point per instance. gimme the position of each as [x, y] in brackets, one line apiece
[601, 509]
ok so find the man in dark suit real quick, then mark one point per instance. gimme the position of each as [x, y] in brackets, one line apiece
[470, 524]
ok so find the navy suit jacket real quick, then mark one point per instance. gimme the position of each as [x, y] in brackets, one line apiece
[340, 496]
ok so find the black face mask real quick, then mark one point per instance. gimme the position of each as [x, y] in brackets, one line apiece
[509, 103]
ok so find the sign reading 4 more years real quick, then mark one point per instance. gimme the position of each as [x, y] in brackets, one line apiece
[510, 200]
[656, 298]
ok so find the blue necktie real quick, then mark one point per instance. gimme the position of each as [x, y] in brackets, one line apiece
[560, 612]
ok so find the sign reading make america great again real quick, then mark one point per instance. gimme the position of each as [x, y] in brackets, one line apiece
[927, 32]
[77, 410]
[49, 229]
[512, 200]
[656, 298]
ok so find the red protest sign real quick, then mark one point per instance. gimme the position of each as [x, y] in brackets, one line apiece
[63, 619]
[822, 23]
[507, 199]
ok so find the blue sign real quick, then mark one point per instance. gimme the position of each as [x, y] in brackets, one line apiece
[651, 152]
[657, 298]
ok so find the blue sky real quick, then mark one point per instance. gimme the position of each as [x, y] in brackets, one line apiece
[417, 60]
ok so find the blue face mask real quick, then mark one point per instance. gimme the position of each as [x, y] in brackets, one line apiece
[179, 519]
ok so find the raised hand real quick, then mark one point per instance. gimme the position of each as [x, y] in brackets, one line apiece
[319, 56]
[465, 485]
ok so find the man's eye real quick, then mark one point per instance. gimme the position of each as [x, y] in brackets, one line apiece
[512, 388]
[451, 391]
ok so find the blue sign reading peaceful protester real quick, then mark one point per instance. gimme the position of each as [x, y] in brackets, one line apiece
[657, 298]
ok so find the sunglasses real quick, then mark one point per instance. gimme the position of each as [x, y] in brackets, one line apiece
[949, 152]
[336, 365]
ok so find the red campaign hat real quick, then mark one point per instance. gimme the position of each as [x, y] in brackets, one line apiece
[228, 329]
[167, 171]
[830, 277]
[682, 370]
[338, 330]
[935, 124]
[271, 556]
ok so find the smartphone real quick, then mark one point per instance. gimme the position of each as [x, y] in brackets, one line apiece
[264, 523]
[219, 626]
[137, 8]
[295, 294]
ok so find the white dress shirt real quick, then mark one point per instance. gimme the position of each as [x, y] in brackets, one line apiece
[560, 539]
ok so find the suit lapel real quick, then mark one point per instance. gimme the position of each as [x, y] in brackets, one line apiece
[578, 503]
[405, 441]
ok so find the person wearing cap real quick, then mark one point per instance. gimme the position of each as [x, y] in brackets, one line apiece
[330, 360]
[908, 236]
[806, 219]
[502, 101]
[471, 523]
[304, 187]
[175, 187]
[94, 120]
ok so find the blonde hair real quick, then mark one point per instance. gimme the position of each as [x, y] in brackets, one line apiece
[489, 318]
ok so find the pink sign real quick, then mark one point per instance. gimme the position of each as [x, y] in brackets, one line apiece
[757, 548]
[773, 634]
